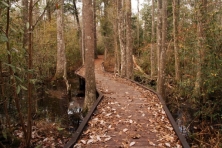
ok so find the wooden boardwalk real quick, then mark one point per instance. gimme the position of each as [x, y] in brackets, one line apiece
[129, 115]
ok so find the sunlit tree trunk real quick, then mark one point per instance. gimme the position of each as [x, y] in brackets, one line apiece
[175, 37]
[152, 53]
[90, 92]
[61, 56]
[122, 37]
[129, 50]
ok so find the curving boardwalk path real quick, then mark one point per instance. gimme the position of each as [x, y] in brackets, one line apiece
[128, 116]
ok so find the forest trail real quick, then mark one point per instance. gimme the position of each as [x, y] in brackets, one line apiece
[128, 116]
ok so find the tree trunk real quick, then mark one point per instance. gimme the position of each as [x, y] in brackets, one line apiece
[162, 50]
[122, 37]
[94, 26]
[90, 92]
[115, 38]
[83, 34]
[152, 53]
[201, 47]
[175, 37]
[61, 56]
[25, 22]
[138, 24]
[12, 76]
[30, 36]
[79, 28]
[129, 50]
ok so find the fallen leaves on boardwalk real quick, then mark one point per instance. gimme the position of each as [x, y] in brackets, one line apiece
[130, 122]
[128, 116]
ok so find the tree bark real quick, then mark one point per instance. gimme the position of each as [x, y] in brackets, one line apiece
[122, 37]
[61, 56]
[94, 26]
[30, 35]
[83, 33]
[25, 23]
[138, 24]
[162, 50]
[79, 29]
[115, 38]
[152, 53]
[201, 47]
[129, 50]
[90, 92]
[175, 37]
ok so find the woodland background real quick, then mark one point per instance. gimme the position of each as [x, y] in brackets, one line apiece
[174, 45]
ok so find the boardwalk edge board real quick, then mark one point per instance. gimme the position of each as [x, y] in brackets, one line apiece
[169, 115]
[81, 127]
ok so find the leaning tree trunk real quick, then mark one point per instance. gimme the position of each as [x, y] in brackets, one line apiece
[129, 50]
[90, 92]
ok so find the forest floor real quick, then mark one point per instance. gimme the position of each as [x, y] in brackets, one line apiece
[128, 116]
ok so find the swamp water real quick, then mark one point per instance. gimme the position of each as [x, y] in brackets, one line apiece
[55, 105]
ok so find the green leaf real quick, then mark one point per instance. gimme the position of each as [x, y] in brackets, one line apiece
[60, 129]
[23, 87]
[18, 89]
[4, 3]
[38, 146]
[18, 78]
[4, 133]
[3, 38]
[33, 81]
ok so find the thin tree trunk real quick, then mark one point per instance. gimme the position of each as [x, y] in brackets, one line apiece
[152, 53]
[5, 100]
[83, 34]
[25, 22]
[90, 92]
[129, 50]
[29, 127]
[175, 37]
[14, 88]
[94, 25]
[138, 23]
[79, 28]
